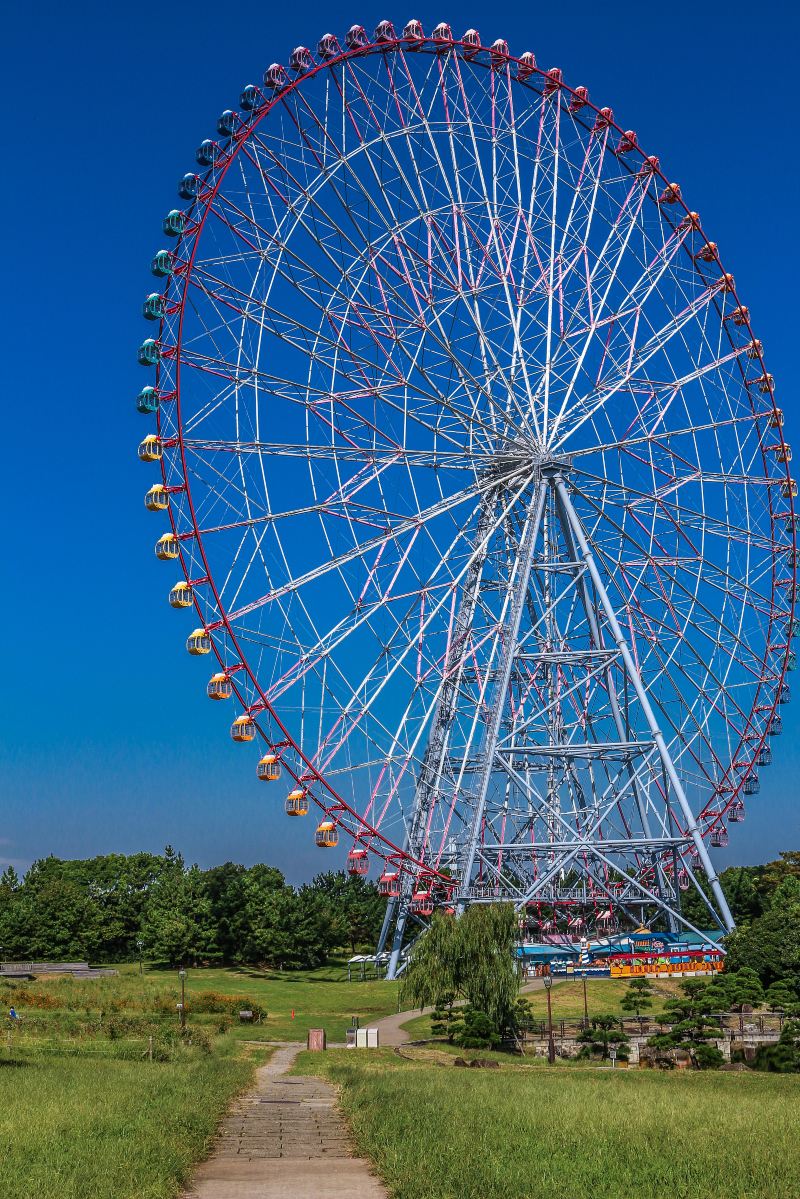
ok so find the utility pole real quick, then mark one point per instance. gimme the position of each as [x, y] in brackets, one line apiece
[182, 977]
[551, 1045]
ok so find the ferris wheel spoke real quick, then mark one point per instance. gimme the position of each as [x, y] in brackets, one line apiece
[435, 608]
[491, 365]
[652, 623]
[603, 299]
[492, 218]
[608, 389]
[442, 341]
[406, 525]
[749, 594]
[660, 437]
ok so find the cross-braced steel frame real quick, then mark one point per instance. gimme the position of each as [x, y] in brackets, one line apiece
[542, 797]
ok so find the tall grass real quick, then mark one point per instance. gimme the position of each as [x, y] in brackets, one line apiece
[109, 1129]
[438, 1133]
[320, 997]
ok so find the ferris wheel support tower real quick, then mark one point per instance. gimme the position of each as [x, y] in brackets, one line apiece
[540, 552]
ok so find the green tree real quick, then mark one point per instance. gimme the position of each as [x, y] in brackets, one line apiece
[637, 998]
[781, 996]
[770, 944]
[783, 1058]
[356, 910]
[477, 1030]
[471, 958]
[744, 988]
[177, 926]
[604, 1031]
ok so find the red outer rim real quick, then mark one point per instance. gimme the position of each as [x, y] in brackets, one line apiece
[312, 778]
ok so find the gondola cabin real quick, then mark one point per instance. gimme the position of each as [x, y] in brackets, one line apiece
[243, 728]
[151, 449]
[198, 643]
[167, 547]
[174, 223]
[181, 596]
[269, 768]
[358, 862]
[157, 498]
[154, 306]
[147, 401]
[422, 903]
[149, 353]
[297, 803]
[326, 836]
[219, 687]
[389, 884]
[161, 266]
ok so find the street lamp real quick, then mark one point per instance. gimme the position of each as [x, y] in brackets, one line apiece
[140, 946]
[585, 1004]
[182, 977]
[551, 1045]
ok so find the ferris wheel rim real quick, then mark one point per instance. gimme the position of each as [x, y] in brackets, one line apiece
[393, 853]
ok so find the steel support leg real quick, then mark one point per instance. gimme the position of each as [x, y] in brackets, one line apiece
[644, 701]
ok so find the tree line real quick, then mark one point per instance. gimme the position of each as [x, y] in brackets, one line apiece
[117, 907]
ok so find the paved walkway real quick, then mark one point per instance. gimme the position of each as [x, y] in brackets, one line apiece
[285, 1139]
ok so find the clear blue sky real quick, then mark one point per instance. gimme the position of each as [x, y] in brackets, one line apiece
[108, 742]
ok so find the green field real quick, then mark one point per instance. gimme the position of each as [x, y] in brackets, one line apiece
[524, 1131]
[84, 1113]
[320, 998]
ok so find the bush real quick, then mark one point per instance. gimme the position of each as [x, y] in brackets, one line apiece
[707, 1057]
[477, 1032]
[217, 1003]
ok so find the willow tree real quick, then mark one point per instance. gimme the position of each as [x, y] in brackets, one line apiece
[470, 958]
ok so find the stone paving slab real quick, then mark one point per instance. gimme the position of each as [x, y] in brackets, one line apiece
[285, 1139]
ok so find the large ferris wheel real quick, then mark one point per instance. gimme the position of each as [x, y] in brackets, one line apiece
[476, 479]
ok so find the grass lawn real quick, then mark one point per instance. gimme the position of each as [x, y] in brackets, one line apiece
[320, 998]
[95, 1128]
[523, 1131]
[604, 996]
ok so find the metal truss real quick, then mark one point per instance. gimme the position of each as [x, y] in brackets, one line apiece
[572, 778]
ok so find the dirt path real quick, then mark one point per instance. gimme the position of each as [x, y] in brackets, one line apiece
[285, 1139]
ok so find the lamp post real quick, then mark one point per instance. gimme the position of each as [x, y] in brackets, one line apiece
[551, 1045]
[182, 977]
[585, 1005]
[140, 946]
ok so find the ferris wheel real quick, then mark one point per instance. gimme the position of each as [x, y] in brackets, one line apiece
[476, 482]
